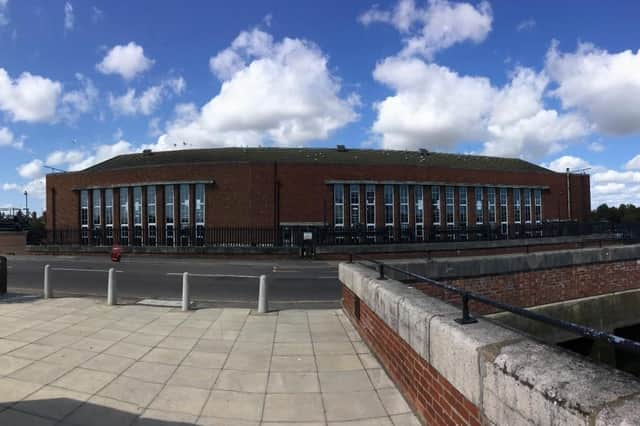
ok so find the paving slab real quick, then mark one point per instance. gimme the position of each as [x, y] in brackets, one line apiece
[78, 362]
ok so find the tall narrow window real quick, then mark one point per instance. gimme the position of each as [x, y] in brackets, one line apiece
[449, 200]
[184, 215]
[388, 211]
[84, 217]
[527, 206]
[517, 218]
[108, 215]
[370, 195]
[419, 211]
[404, 211]
[537, 194]
[504, 212]
[491, 202]
[124, 216]
[152, 226]
[435, 205]
[137, 215]
[462, 194]
[200, 204]
[354, 201]
[97, 219]
[479, 206]
[168, 215]
[338, 206]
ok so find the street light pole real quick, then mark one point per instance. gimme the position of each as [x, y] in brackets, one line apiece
[26, 202]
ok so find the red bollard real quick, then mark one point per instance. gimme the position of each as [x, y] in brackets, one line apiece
[116, 253]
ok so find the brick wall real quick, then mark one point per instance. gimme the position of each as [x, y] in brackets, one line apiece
[12, 242]
[246, 193]
[533, 288]
[432, 397]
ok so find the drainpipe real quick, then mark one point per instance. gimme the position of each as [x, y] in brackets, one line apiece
[568, 195]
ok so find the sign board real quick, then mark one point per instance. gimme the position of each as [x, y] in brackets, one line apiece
[307, 236]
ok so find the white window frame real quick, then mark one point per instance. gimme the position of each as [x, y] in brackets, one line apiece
[152, 213]
[463, 218]
[491, 205]
[185, 219]
[403, 201]
[124, 218]
[479, 193]
[354, 205]
[537, 196]
[527, 206]
[338, 207]
[370, 206]
[449, 205]
[418, 197]
[517, 207]
[200, 195]
[137, 216]
[169, 206]
[504, 211]
[108, 215]
[436, 214]
[388, 200]
[84, 216]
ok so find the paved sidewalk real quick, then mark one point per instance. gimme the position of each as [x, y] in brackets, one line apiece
[76, 361]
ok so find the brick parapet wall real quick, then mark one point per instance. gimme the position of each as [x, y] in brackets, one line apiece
[479, 373]
[542, 283]
[434, 399]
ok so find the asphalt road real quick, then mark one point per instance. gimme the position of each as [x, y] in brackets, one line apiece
[292, 283]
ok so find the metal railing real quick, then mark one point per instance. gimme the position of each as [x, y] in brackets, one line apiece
[466, 296]
[293, 236]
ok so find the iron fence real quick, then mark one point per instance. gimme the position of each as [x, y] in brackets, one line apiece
[289, 236]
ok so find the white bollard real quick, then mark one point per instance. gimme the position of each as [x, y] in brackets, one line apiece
[263, 306]
[112, 297]
[185, 292]
[47, 285]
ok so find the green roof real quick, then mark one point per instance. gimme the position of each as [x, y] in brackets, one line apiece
[316, 156]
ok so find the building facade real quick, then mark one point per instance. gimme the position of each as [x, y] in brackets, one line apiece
[184, 197]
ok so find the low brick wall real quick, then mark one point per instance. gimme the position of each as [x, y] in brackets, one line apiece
[13, 242]
[533, 279]
[479, 373]
[415, 377]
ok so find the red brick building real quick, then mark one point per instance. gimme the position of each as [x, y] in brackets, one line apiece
[173, 198]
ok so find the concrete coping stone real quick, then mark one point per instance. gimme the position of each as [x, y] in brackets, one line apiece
[510, 377]
[476, 266]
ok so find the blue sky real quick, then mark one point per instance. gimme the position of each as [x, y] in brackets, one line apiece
[557, 83]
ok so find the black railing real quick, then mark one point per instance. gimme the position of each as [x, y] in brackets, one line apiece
[287, 236]
[466, 318]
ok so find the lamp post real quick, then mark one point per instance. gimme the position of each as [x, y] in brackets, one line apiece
[26, 202]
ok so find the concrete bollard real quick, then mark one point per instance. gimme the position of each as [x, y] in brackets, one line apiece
[112, 296]
[47, 285]
[185, 292]
[263, 306]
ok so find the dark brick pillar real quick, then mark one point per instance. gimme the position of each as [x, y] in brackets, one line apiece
[471, 205]
[143, 212]
[428, 222]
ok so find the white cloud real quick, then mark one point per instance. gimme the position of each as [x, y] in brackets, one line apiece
[568, 162]
[59, 158]
[147, 101]
[526, 25]
[633, 164]
[7, 138]
[32, 169]
[606, 86]
[77, 102]
[595, 147]
[278, 91]
[4, 8]
[97, 14]
[29, 97]
[68, 16]
[437, 108]
[437, 26]
[126, 60]
[102, 153]
[35, 188]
